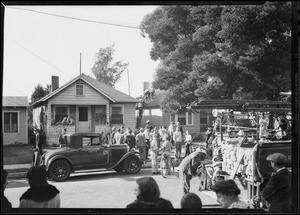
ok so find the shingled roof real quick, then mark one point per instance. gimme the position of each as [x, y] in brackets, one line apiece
[15, 101]
[109, 92]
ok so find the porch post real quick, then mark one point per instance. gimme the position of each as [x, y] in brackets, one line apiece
[49, 115]
[107, 113]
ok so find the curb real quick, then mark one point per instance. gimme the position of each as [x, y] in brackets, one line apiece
[21, 173]
[16, 175]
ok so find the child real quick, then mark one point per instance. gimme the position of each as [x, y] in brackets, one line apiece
[153, 153]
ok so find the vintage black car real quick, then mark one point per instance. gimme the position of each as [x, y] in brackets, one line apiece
[85, 151]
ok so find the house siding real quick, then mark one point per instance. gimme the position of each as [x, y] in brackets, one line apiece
[22, 135]
[53, 133]
[129, 118]
[68, 96]
[92, 98]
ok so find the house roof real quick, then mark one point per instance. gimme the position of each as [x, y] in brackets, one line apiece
[109, 92]
[15, 101]
[158, 97]
[263, 105]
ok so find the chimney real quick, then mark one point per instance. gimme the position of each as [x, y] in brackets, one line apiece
[146, 86]
[54, 83]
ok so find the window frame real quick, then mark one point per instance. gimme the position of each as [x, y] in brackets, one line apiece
[98, 108]
[18, 121]
[111, 113]
[76, 89]
[207, 119]
[60, 106]
[186, 119]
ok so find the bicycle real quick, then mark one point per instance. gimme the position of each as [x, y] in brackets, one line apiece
[165, 165]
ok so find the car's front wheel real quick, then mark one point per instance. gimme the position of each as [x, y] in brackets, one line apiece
[132, 164]
[59, 170]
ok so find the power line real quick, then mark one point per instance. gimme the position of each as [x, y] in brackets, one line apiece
[38, 56]
[75, 18]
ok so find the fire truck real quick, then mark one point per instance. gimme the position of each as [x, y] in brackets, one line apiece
[246, 132]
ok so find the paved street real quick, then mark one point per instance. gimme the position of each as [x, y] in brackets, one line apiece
[108, 190]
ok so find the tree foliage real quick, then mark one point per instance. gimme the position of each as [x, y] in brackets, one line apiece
[221, 51]
[105, 70]
[39, 92]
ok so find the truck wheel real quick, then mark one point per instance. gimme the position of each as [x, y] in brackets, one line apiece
[60, 170]
[118, 168]
[132, 164]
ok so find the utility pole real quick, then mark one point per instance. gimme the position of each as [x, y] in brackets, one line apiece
[80, 65]
[80, 68]
[128, 81]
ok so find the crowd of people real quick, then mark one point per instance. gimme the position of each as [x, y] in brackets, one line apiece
[276, 192]
[152, 141]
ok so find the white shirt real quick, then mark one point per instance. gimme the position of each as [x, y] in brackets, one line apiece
[177, 136]
[188, 137]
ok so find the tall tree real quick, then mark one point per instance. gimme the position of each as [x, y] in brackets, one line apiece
[214, 52]
[39, 92]
[105, 70]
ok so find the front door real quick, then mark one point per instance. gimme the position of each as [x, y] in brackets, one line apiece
[84, 119]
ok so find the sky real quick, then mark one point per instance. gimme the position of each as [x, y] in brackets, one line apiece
[38, 45]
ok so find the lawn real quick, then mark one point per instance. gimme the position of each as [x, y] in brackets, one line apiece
[17, 155]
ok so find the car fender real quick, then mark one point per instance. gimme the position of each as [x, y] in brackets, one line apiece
[54, 158]
[130, 153]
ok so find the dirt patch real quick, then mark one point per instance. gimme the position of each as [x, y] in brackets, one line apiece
[17, 155]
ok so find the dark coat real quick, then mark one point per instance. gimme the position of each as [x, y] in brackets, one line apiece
[278, 192]
[40, 193]
[190, 163]
[155, 204]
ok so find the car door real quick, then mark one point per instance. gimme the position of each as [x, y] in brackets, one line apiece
[93, 154]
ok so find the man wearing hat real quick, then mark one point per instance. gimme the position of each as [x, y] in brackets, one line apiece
[148, 125]
[188, 169]
[141, 144]
[278, 192]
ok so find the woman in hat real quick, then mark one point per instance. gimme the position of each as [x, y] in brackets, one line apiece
[40, 194]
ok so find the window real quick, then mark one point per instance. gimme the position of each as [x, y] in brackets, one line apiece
[172, 118]
[156, 112]
[189, 118]
[100, 115]
[11, 122]
[79, 89]
[203, 117]
[181, 118]
[116, 115]
[60, 113]
[90, 141]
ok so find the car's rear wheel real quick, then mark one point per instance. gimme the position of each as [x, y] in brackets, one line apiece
[59, 170]
[132, 164]
[119, 168]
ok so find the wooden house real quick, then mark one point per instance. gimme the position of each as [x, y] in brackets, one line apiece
[193, 122]
[87, 104]
[15, 119]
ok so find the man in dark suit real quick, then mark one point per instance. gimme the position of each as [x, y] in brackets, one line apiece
[278, 191]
